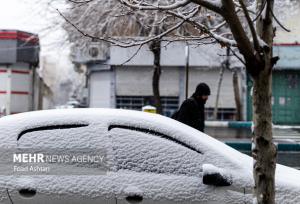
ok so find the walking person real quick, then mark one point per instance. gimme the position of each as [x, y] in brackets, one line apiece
[191, 111]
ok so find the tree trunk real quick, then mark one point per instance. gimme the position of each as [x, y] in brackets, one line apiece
[218, 92]
[155, 48]
[264, 151]
[237, 98]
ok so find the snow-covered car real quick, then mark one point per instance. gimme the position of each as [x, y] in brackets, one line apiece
[148, 159]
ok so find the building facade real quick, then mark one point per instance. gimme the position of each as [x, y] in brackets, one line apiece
[19, 58]
[115, 81]
[286, 73]
[285, 86]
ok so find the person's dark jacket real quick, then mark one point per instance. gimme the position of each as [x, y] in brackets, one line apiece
[191, 113]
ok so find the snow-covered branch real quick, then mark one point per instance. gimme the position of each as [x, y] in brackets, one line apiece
[251, 26]
[140, 5]
[222, 40]
[120, 43]
[80, 2]
[213, 5]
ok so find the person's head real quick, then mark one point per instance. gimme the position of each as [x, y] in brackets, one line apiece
[202, 92]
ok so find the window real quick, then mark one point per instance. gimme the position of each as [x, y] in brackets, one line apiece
[146, 152]
[169, 104]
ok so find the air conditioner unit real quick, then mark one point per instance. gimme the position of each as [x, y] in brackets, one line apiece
[93, 51]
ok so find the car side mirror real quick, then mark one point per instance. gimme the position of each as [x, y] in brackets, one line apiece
[215, 176]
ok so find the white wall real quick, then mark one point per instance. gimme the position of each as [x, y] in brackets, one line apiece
[20, 103]
[20, 84]
[172, 54]
[118, 56]
[137, 81]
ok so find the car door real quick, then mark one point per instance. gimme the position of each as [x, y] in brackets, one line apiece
[67, 181]
[155, 168]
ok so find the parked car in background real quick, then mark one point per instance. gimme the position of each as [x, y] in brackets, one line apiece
[149, 158]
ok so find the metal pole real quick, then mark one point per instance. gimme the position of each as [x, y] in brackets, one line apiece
[8, 90]
[187, 53]
[32, 91]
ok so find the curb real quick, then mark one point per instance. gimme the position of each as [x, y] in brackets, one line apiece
[246, 146]
[244, 124]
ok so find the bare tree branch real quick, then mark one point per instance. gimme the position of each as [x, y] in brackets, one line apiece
[213, 5]
[204, 29]
[80, 2]
[260, 11]
[123, 44]
[239, 6]
[278, 22]
[218, 26]
[237, 56]
[144, 6]
[239, 33]
[251, 26]
[134, 54]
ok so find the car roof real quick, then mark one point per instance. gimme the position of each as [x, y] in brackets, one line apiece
[13, 125]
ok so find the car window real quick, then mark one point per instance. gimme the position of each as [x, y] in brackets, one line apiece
[58, 136]
[50, 127]
[153, 132]
[146, 152]
[67, 147]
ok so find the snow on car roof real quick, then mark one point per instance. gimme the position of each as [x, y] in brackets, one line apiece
[17, 123]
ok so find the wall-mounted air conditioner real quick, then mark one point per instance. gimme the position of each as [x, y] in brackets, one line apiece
[92, 51]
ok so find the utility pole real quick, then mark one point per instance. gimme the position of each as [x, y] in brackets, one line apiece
[187, 53]
[8, 90]
[224, 65]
